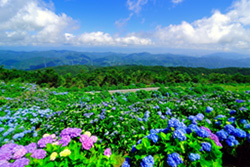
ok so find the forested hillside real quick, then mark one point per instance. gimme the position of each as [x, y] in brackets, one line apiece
[124, 76]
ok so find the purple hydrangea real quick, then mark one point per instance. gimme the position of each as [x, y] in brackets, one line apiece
[21, 162]
[19, 152]
[4, 163]
[39, 154]
[31, 147]
[212, 136]
[65, 140]
[9, 147]
[72, 132]
[5, 155]
[44, 141]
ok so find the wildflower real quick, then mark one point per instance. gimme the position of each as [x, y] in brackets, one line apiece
[65, 153]
[107, 152]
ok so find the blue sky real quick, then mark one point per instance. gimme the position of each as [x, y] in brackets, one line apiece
[177, 26]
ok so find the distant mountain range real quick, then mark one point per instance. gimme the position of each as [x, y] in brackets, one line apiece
[42, 59]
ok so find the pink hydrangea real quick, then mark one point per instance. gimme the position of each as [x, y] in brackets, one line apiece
[107, 152]
[94, 138]
[87, 143]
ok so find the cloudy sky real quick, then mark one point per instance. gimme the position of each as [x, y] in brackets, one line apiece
[126, 25]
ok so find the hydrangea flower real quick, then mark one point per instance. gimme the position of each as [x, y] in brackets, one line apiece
[19, 152]
[39, 154]
[72, 132]
[231, 141]
[174, 160]
[194, 157]
[44, 141]
[209, 109]
[65, 140]
[232, 112]
[53, 156]
[205, 146]
[222, 134]
[239, 133]
[179, 134]
[31, 147]
[107, 152]
[202, 133]
[87, 143]
[148, 161]
[154, 137]
[229, 128]
[65, 153]
[21, 162]
[200, 117]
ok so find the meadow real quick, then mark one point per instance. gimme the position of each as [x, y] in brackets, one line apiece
[198, 125]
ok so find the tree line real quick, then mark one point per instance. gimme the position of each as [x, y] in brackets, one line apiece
[124, 76]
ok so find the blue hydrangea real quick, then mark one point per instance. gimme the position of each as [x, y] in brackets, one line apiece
[206, 147]
[148, 161]
[133, 149]
[180, 135]
[231, 141]
[239, 133]
[192, 127]
[222, 135]
[126, 163]
[243, 121]
[174, 160]
[154, 137]
[202, 133]
[200, 117]
[168, 112]
[209, 109]
[232, 112]
[247, 126]
[232, 119]
[229, 128]
[194, 157]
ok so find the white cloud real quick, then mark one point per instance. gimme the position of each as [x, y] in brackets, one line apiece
[120, 23]
[32, 22]
[104, 39]
[177, 1]
[136, 5]
[220, 31]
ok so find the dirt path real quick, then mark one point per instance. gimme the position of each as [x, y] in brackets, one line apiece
[129, 90]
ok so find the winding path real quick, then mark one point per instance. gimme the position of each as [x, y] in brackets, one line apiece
[129, 90]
